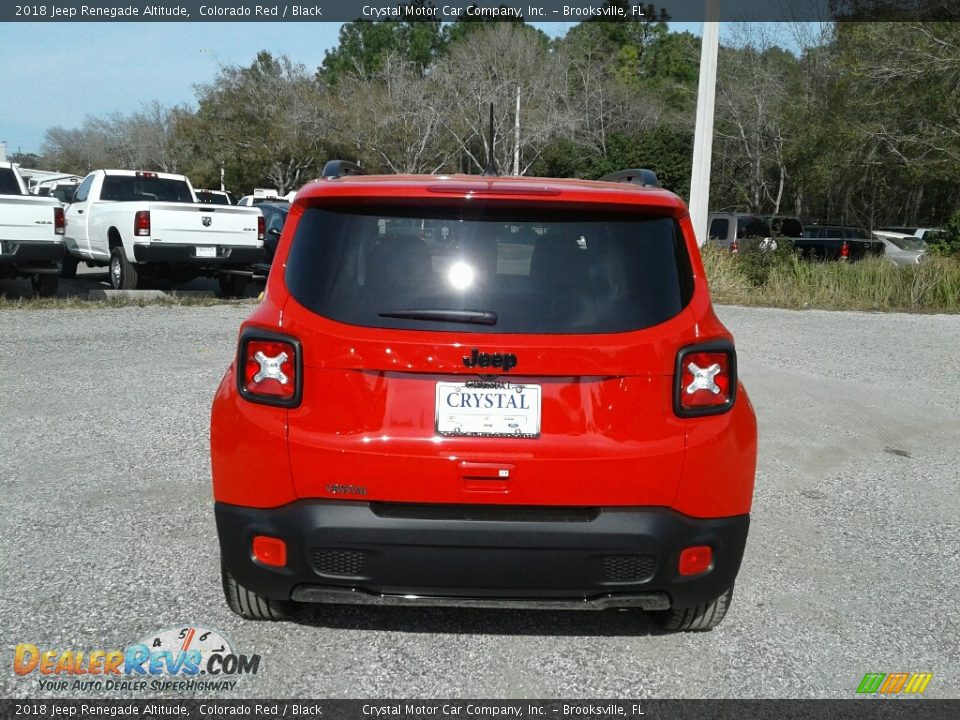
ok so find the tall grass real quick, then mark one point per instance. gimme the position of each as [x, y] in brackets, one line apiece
[781, 279]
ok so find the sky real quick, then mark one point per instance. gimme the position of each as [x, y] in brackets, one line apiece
[59, 73]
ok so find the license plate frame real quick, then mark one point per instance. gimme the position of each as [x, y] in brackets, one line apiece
[206, 251]
[492, 409]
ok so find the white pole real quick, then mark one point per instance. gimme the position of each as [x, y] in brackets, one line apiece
[222, 186]
[703, 133]
[516, 137]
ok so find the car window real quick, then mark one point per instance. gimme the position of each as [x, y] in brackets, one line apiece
[786, 227]
[719, 228]
[83, 191]
[536, 271]
[212, 198]
[752, 226]
[136, 187]
[8, 182]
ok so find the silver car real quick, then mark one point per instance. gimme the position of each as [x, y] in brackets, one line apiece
[900, 248]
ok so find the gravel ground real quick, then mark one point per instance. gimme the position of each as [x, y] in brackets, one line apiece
[852, 564]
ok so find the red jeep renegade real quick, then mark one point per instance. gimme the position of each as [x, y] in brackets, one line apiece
[477, 391]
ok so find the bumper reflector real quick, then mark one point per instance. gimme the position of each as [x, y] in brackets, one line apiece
[696, 560]
[270, 551]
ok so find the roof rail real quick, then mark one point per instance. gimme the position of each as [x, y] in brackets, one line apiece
[637, 176]
[340, 168]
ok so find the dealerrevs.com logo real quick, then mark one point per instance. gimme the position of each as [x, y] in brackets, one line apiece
[185, 658]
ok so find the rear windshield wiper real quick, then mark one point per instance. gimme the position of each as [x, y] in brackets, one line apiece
[475, 317]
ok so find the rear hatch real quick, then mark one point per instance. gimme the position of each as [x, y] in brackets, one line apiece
[487, 353]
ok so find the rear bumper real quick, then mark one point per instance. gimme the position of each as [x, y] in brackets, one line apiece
[37, 255]
[173, 254]
[375, 553]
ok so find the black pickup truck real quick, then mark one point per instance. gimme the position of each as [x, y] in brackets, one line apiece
[826, 242]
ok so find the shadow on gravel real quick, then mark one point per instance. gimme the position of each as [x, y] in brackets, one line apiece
[472, 621]
[88, 279]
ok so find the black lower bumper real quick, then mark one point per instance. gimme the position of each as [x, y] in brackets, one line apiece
[29, 256]
[375, 551]
[172, 254]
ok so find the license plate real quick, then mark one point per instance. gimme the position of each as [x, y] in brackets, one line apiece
[488, 409]
[206, 251]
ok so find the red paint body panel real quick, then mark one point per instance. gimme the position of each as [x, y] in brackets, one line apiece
[609, 435]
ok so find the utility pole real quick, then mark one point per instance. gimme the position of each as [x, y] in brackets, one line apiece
[703, 133]
[516, 137]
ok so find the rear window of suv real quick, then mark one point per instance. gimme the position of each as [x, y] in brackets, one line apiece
[489, 270]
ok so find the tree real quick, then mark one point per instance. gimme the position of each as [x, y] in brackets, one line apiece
[266, 121]
[364, 44]
[489, 66]
[390, 119]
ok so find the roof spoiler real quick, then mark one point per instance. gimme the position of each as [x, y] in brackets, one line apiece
[340, 168]
[637, 176]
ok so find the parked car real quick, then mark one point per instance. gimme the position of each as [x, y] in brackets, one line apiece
[274, 215]
[837, 242]
[214, 197]
[730, 230]
[918, 232]
[900, 248]
[31, 233]
[149, 223]
[538, 407]
[260, 195]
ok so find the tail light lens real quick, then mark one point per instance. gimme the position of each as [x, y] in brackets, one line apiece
[59, 221]
[261, 228]
[269, 368]
[844, 251]
[141, 223]
[695, 560]
[734, 248]
[705, 379]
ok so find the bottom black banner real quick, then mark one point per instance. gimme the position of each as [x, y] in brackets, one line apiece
[862, 709]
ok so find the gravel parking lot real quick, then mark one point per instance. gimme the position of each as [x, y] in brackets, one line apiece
[852, 564]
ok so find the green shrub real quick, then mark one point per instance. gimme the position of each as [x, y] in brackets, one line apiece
[781, 279]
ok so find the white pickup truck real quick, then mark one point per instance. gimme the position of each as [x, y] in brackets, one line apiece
[150, 224]
[31, 233]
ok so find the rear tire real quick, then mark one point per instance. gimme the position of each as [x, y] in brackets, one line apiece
[68, 268]
[232, 286]
[698, 618]
[248, 604]
[44, 285]
[123, 275]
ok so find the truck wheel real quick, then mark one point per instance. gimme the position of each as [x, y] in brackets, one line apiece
[232, 285]
[698, 618]
[123, 275]
[248, 604]
[44, 285]
[68, 268]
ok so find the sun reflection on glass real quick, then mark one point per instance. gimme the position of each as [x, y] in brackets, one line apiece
[460, 275]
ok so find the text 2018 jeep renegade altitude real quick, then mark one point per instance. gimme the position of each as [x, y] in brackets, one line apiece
[484, 390]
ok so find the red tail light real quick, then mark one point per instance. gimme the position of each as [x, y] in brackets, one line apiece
[269, 368]
[734, 248]
[694, 560]
[844, 251]
[141, 223]
[705, 379]
[261, 228]
[59, 221]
